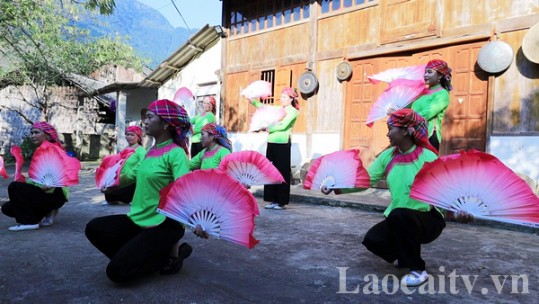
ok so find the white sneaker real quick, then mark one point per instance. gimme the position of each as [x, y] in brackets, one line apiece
[105, 203]
[271, 206]
[279, 207]
[414, 278]
[20, 227]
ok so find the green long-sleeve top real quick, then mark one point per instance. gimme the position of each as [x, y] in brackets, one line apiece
[163, 164]
[198, 122]
[132, 161]
[208, 159]
[280, 132]
[432, 107]
[400, 170]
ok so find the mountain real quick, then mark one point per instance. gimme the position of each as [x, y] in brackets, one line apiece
[149, 32]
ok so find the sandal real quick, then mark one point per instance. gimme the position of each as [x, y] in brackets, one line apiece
[175, 264]
[414, 278]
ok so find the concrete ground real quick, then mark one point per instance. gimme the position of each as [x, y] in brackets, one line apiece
[309, 253]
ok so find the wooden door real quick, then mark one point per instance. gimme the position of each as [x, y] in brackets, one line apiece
[464, 124]
[466, 117]
[359, 97]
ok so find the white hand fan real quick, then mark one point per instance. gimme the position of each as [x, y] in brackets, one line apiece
[108, 173]
[477, 183]
[257, 89]
[3, 172]
[266, 116]
[415, 72]
[251, 168]
[52, 167]
[215, 201]
[337, 170]
[398, 95]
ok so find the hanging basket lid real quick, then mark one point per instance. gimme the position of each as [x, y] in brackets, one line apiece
[495, 56]
[530, 45]
[344, 71]
[307, 83]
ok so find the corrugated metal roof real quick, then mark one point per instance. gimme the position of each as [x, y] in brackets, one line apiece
[192, 48]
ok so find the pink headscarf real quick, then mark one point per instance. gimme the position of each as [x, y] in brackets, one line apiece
[292, 94]
[137, 130]
[48, 129]
[213, 103]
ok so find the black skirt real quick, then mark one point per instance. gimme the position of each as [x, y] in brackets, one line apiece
[279, 155]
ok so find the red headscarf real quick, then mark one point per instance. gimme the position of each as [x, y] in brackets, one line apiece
[292, 94]
[213, 104]
[414, 124]
[48, 129]
[441, 67]
[176, 116]
[137, 130]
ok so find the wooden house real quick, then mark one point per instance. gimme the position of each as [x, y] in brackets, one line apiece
[280, 40]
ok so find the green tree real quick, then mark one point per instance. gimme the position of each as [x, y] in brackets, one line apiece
[42, 47]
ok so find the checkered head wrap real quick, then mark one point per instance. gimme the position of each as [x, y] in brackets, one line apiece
[441, 67]
[293, 94]
[175, 116]
[414, 124]
[48, 129]
[219, 134]
[137, 130]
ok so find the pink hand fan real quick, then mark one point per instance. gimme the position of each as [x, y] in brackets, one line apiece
[257, 89]
[337, 170]
[215, 201]
[16, 151]
[398, 95]
[108, 173]
[415, 72]
[266, 116]
[183, 96]
[3, 172]
[251, 168]
[52, 167]
[477, 183]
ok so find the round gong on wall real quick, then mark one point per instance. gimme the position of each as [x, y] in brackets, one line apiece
[344, 71]
[307, 83]
[495, 56]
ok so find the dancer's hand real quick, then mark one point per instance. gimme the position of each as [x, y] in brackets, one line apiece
[200, 232]
[326, 190]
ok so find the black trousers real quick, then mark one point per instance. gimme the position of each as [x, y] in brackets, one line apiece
[196, 148]
[400, 235]
[28, 204]
[279, 155]
[124, 194]
[133, 251]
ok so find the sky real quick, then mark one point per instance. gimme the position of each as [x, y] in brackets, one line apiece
[196, 13]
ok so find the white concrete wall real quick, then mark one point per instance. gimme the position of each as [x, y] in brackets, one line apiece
[520, 153]
[201, 76]
[322, 144]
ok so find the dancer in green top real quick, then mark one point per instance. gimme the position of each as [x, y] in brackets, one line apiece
[408, 223]
[199, 121]
[124, 194]
[140, 242]
[433, 104]
[216, 146]
[279, 149]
